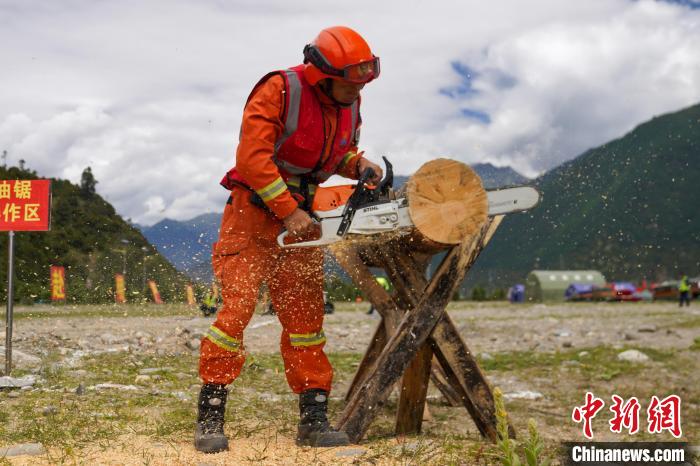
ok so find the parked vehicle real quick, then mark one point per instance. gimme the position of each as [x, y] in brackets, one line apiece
[669, 289]
[665, 290]
[695, 287]
[602, 293]
[579, 292]
[624, 291]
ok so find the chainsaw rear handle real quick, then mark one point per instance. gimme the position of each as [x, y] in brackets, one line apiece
[281, 237]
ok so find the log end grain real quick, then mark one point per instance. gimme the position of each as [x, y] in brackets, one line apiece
[446, 201]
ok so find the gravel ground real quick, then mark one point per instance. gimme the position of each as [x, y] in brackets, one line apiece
[505, 337]
[485, 327]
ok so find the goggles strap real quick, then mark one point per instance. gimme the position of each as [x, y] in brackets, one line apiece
[313, 55]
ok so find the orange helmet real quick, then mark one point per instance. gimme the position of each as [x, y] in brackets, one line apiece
[340, 53]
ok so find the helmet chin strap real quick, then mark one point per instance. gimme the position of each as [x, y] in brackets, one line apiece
[326, 86]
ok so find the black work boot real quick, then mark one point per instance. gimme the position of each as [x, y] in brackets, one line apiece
[209, 434]
[314, 429]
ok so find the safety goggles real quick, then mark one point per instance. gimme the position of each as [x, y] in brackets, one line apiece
[358, 73]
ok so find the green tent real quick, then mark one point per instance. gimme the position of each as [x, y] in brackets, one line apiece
[550, 285]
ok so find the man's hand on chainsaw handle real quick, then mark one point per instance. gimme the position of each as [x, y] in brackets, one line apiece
[299, 223]
[364, 164]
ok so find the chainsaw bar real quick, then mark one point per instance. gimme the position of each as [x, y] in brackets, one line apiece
[392, 215]
[508, 200]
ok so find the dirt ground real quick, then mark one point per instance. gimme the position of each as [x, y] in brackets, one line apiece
[486, 327]
[543, 357]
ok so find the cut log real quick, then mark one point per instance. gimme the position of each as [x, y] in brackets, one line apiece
[446, 201]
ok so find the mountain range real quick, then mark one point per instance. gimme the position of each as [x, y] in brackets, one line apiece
[187, 244]
[629, 208]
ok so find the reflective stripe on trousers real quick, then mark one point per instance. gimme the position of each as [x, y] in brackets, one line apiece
[307, 339]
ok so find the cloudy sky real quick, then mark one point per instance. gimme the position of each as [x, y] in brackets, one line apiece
[150, 93]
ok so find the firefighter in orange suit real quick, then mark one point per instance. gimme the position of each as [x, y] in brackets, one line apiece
[300, 126]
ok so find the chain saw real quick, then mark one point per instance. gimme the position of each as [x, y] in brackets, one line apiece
[345, 210]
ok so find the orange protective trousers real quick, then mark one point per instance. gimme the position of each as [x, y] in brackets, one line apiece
[246, 256]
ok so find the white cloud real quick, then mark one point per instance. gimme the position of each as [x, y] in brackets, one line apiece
[577, 85]
[150, 93]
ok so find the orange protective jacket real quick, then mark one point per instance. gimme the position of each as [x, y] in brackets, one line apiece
[262, 127]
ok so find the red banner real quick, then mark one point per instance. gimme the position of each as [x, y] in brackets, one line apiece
[190, 295]
[154, 292]
[119, 288]
[25, 205]
[58, 283]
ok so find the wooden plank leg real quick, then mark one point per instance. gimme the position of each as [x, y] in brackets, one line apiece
[465, 382]
[412, 332]
[414, 389]
[405, 271]
[376, 345]
[440, 380]
[463, 370]
[349, 259]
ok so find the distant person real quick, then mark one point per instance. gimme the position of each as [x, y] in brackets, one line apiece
[385, 284]
[208, 306]
[684, 291]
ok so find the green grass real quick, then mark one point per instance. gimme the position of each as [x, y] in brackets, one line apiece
[260, 400]
[564, 376]
[261, 405]
[696, 345]
[574, 310]
[693, 322]
[601, 362]
[104, 310]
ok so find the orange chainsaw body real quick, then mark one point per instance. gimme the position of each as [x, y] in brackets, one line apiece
[331, 197]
